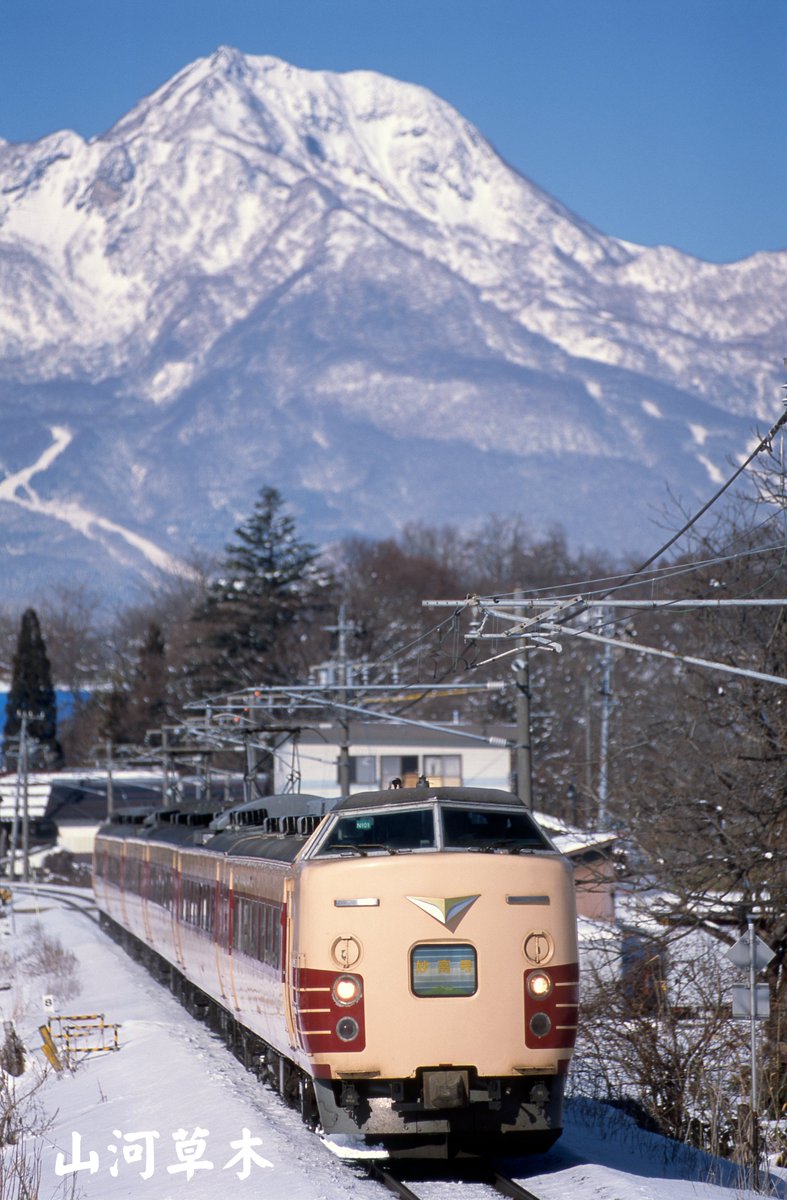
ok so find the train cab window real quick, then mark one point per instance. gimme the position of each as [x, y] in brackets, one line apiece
[491, 829]
[391, 832]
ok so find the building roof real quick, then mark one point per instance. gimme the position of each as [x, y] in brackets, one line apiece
[385, 733]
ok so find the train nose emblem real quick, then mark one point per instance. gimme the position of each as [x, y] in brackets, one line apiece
[447, 910]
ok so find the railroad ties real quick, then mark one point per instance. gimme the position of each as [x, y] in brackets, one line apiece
[488, 1181]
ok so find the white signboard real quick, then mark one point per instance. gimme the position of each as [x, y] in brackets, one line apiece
[741, 1001]
[740, 955]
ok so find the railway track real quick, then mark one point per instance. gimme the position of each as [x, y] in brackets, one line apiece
[478, 1182]
[81, 902]
[483, 1184]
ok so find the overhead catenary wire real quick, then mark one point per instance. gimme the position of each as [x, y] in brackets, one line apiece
[396, 719]
[579, 589]
[764, 443]
[633, 578]
[689, 659]
[576, 605]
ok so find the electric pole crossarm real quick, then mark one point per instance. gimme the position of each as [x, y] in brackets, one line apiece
[746, 672]
[491, 604]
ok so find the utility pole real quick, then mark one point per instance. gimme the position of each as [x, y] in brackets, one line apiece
[110, 786]
[588, 773]
[26, 798]
[15, 825]
[523, 756]
[603, 757]
[253, 756]
[342, 628]
[755, 1099]
[22, 798]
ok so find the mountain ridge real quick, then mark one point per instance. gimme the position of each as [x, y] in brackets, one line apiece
[334, 284]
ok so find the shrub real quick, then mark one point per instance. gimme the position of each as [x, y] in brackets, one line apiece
[46, 959]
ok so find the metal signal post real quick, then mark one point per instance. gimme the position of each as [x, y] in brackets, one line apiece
[21, 798]
[751, 954]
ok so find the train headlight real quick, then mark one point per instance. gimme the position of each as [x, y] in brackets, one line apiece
[347, 1029]
[539, 984]
[540, 1025]
[347, 990]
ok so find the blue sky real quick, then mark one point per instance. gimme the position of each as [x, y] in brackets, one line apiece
[655, 120]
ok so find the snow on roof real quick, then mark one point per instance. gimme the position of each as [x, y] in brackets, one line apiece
[569, 839]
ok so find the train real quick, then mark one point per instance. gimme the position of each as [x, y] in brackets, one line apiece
[402, 965]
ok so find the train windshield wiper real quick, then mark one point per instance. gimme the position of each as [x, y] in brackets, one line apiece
[510, 845]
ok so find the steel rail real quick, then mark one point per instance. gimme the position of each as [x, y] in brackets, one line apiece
[86, 907]
[509, 1187]
[503, 1184]
[390, 1182]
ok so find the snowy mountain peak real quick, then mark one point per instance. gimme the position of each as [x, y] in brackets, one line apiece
[360, 131]
[268, 274]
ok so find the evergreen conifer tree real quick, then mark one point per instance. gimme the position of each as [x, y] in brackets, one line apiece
[147, 700]
[260, 604]
[139, 702]
[31, 688]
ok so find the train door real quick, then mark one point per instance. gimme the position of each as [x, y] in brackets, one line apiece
[232, 936]
[122, 884]
[289, 962]
[144, 893]
[221, 930]
[176, 911]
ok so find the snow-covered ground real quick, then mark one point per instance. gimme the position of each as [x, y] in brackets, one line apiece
[172, 1114]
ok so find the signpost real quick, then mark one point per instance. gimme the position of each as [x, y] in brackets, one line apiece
[751, 1001]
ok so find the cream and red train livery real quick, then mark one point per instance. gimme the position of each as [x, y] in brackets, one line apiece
[409, 966]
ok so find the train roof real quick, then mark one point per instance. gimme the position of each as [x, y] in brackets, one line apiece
[253, 812]
[395, 797]
[248, 829]
[254, 844]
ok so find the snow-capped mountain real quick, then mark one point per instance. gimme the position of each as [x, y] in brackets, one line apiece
[333, 284]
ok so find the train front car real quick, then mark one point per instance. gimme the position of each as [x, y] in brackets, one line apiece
[432, 972]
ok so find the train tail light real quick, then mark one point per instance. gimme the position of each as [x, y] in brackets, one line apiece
[329, 1010]
[540, 1025]
[347, 1029]
[551, 1001]
[347, 990]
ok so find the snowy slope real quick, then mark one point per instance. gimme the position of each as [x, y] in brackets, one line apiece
[334, 284]
[171, 1074]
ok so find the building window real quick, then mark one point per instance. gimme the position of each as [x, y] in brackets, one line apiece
[443, 770]
[399, 766]
[363, 769]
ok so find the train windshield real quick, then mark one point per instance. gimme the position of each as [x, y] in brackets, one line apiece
[491, 829]
[389, 832]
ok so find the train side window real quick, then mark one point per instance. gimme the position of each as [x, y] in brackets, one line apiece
[247, 927]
